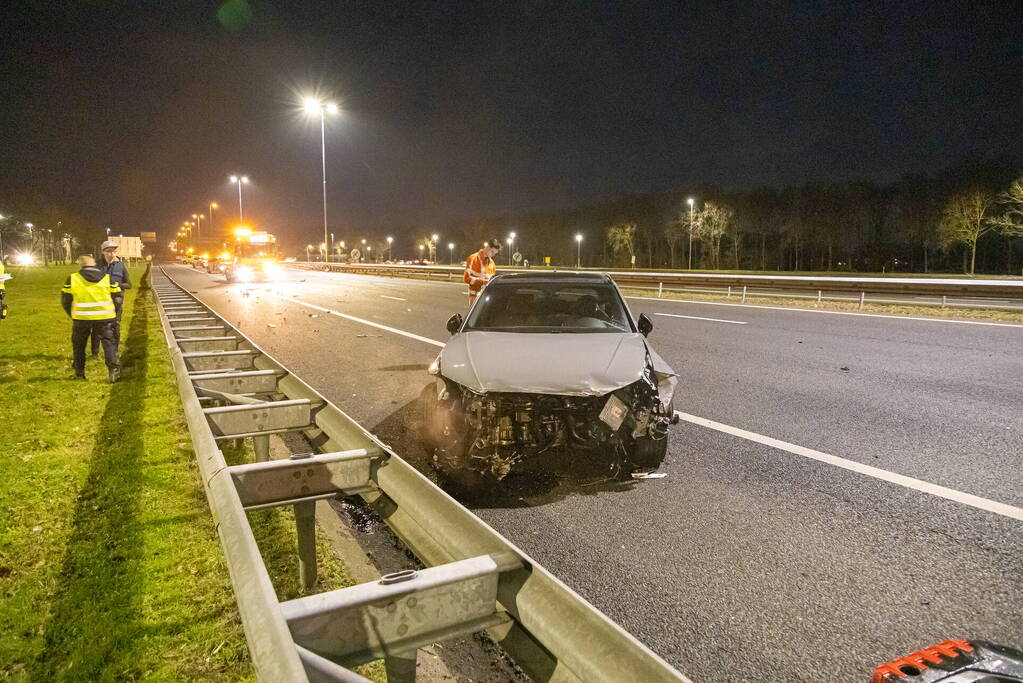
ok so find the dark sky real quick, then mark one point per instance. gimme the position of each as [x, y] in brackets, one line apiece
[134, 114]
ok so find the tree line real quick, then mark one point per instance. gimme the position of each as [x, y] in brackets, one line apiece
[967, 218]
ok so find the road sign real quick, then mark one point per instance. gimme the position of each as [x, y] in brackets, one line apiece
[547, 260]
[148, 237]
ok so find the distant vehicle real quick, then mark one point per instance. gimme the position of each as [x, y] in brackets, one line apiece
[547, 366]
[254, 257]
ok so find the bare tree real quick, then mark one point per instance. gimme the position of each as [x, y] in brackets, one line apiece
[963, 222]
[712, 222]
[622, 237]
[674, 230]
[1010, 222]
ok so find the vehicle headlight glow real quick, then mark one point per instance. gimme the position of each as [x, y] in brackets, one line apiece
[271, 270]
[245, 274]
[25, 259]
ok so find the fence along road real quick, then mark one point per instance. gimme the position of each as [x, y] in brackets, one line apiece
[475, 579]
[942, 292]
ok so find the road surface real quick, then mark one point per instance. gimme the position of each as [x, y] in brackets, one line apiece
[843, 489]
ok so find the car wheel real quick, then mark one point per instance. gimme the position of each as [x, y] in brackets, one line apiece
[646, 453]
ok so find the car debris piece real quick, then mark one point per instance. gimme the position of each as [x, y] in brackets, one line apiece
[649, 475]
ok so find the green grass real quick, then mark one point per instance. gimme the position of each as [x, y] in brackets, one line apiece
[110, 565]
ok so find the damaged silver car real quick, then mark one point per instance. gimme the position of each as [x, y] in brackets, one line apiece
[547, 367]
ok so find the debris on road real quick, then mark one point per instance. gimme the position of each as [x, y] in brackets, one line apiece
[373, 336]
[844, 368]
[270, 325]
[649, 475]
[314, 315]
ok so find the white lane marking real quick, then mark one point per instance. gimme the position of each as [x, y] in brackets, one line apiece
[396, 298]
[811, 310]
[696, 317]
[386, 328]
[899, 479]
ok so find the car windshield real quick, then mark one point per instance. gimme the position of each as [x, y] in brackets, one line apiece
[549, 307]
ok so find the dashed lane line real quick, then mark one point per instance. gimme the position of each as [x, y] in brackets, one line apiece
[396, 298]
[379, 326]
[696, 317]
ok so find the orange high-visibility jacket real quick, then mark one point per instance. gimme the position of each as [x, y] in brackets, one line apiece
[479, 268]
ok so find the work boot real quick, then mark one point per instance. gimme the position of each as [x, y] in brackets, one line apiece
[114, 374]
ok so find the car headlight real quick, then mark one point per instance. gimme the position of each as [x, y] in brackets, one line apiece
[271, 270]
[245, 274]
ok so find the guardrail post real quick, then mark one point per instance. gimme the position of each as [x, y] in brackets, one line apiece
[819, 293]
[261, 447]
[305, 527]
[944, 300]
[729, 291]
[401, 667]
[863, 296]
[744, 294]
[660, 288]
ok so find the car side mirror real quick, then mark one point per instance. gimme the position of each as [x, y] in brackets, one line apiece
[454, 322]
[645, 324]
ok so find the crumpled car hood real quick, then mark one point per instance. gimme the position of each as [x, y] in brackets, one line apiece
[563, 364]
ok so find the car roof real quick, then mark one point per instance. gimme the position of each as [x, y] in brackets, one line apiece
[560, 277]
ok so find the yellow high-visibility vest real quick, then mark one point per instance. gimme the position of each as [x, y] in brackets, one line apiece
[91, 300]
[1, 273]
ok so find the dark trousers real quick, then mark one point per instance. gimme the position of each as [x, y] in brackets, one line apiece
[103, 330]
[118, 304]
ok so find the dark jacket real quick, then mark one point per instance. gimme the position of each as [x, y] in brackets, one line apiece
[91, 274]
[117, 271]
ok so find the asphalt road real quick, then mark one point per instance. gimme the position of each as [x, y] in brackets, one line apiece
[753, 560]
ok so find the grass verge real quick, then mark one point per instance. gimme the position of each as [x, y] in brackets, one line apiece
[110, 565]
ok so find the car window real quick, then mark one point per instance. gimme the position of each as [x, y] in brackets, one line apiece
[549, 307]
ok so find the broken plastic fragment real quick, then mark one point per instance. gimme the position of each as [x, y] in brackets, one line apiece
[649, 475]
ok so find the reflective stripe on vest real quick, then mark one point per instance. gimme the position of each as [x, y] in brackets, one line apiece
[91, 300]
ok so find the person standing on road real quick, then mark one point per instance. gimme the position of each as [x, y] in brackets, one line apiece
[118, 272]
[87, 297]
[480, 267]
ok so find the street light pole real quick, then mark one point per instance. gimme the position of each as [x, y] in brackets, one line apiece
[213, 227]
[389, 240]
[451, 253]
[578, 251]
[511, 246]
[314, 105]
[690, 201]
[239, 180]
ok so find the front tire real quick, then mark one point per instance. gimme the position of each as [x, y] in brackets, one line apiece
[647, 454]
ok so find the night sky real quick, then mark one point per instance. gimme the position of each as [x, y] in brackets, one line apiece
[134, 114]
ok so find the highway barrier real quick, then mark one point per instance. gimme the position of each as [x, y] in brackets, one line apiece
[970, 293]
[474, 579]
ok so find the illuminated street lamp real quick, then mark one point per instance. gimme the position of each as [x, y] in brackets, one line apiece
[691, 202]
[578, 250]
[307, 248]
[511, 241]
[389, 240]
[451, 253]
[313, 105]
[213, 228]
[433, 247]
[421, 246]
[369, 251]
[239, 181]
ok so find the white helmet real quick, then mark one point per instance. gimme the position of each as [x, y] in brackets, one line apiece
[108, 244]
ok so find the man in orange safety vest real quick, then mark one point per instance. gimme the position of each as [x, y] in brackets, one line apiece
[480, 267]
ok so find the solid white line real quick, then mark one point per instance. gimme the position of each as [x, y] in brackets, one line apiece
[696, 317]
[811, 310]
[899, 479]
[396, 298]
[403, 333]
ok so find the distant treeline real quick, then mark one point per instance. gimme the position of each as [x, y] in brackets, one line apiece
[921, 223]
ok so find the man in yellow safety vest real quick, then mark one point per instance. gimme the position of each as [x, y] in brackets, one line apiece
[480, 267]
[87, 297]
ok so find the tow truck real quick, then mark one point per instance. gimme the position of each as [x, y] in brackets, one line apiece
[254, 258]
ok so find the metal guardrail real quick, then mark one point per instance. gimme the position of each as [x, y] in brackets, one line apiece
[475, 579]
[861, 286]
